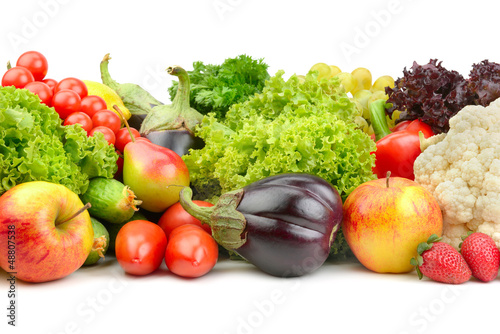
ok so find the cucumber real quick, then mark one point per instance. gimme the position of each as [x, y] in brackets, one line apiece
[101, 243]
[110, 200]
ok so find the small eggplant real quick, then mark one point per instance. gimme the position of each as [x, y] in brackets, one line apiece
[283, 224]
[172, 125]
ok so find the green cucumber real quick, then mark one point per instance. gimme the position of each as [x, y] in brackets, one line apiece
[113, 229]
[110, 200]
[101, 243]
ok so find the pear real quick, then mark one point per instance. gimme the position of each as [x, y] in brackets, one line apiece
[154, 173]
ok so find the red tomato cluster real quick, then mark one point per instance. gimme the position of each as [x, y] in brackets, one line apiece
[69, 97]
[187, 248]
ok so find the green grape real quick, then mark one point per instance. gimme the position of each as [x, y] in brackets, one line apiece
[395, 116]
[377, 95]
[323, 69]
[347, 81]
[301, 78]
[359, 107]
[363, 96]
[334, 70]
[363, 78]
[382, 82]
[362, 123]
[370, 130]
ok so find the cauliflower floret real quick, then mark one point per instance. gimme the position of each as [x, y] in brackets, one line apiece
[462, 170]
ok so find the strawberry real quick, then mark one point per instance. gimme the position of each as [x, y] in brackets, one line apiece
[441, 262]
[482, 255]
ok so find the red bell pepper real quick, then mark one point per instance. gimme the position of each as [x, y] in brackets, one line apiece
[397, 150]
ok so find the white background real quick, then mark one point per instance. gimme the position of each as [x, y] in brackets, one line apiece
[144, 38]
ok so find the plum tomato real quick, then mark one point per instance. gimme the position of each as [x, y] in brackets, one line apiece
[176, 216]
[51, 83]
[66, 102]
[17, 76]
[123, 137]
[80, 118]
[140, 247]
[41, 89]
[92, 104]
[73, 84]
[108, 119]
[109, 135]
[35, 62]
[191, 251]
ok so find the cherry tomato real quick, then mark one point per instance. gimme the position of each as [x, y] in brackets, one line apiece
[18, 77]
[108, 119]
[66, 102]
[176, 216]
[191, 251]
[80, 118]
[92, 104]
[109, 135]
[51, 83]
[42, 90]
[140, 246]
[119, 163]
[123, 137]
[35, 62]
[73, 84]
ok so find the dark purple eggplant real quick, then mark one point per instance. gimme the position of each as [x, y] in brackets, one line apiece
[178, 117]
[283, 224]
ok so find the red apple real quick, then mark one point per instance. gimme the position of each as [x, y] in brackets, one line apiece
[386, 219]
[43, 223]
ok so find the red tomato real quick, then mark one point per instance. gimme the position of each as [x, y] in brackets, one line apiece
[80, 118]
[108, 119]
[119, 163]
[73, 84]
[51, 83]
[123, 137]
[92, 104]
[35, 62]
[176, 216]
[140, 246]
[42, 90]
[66, 102]
[109, 135]
[18, 77]
[191, 251]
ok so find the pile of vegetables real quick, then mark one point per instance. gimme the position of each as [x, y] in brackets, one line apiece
[35, 146]
[292, 126]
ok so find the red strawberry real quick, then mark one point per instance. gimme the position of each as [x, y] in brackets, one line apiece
[482, 255]
[441, 262]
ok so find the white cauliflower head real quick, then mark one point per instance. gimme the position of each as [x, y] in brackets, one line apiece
[462, 171]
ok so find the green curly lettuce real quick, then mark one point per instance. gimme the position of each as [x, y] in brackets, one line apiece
[35, 146]
[292, 126]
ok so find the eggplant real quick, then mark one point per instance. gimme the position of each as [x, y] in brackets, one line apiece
[283, 224]
[173, 125]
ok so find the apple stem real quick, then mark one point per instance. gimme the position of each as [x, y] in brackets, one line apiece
[387, 177]
[124, 121]
[85, 207]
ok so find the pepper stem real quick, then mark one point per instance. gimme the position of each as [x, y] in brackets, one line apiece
[378, 119]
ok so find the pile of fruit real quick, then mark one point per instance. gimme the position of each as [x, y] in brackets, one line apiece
[280, 173]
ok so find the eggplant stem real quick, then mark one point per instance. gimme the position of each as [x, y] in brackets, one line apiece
[201, 213]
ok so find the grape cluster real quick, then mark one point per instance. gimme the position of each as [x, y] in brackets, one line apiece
[358, 85]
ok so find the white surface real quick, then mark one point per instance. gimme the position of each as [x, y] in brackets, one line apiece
[144, 38]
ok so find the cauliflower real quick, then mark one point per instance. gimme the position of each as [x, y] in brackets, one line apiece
[462, 170]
